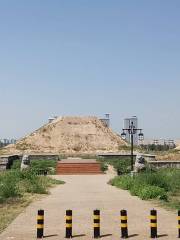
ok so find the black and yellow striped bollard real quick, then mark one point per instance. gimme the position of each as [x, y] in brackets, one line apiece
[178, 224]
[96, 223]
[40, 224]
[68, 224]
[153, 223]
[124, 225]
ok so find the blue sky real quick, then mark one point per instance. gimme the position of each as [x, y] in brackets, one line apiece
[89, 57]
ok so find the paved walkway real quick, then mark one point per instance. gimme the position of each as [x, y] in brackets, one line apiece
[83, 194]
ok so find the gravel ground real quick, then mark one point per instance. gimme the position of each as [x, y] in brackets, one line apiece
[83, 194]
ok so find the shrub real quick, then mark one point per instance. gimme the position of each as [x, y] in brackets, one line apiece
[104, 167]
[48, 165]
[8, 186]
[14, 183]
[122, 165]
[136, 189]
[16, 164]
[124, 182]
[36, 165]
[150, 192]
[159, 184]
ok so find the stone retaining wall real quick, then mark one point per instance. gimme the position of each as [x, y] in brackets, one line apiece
[164, 164]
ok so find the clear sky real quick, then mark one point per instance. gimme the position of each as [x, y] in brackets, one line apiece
[89, 57]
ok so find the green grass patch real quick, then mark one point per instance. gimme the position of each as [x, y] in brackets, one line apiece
[15, 183]
[18, 189]
[41, 164]
[163, 184]
[121, 164]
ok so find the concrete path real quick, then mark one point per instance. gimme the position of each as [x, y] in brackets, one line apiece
[83, 194]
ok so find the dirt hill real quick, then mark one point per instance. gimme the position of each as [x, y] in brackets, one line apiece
[70, 135]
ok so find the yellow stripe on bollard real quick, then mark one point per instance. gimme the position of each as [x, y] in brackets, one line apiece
[96, 225]
[96, 217]
[153, 225]
[68, 217]
[153, 217]
[68, 225]
[39, 226]
[40, 217]
[123, 218]
[123, 225]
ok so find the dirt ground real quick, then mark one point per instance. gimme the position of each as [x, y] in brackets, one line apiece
[83, 194]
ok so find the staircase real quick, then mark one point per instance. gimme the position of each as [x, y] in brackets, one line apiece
[78, 167]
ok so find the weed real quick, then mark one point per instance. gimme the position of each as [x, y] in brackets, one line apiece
[161, 184]
[15, 183]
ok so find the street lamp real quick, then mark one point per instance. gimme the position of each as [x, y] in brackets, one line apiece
[132, 130]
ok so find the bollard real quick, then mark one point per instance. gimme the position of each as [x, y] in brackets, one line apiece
[124, 226]
[153, 223]
[96, 223]
[40, 224]
[68, 224]
[179, 224]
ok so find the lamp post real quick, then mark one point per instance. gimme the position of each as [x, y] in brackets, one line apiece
[132, 130]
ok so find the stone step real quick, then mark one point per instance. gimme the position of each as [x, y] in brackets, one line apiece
[78, 168]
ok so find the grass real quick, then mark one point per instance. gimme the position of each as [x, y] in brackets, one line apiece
[12, 208]
[15, 183]
[121, 164]
[18, 189]
[41, 164]
[161, 184]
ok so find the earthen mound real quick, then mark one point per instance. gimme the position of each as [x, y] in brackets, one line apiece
[70, 135]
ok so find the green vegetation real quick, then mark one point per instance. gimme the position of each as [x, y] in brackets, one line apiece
[157, 147]
[15, 183]
[104, 166]
[128, 147]
[18, 189]
[162, 184]
[48, 165]
[121, 164]
[36, 165]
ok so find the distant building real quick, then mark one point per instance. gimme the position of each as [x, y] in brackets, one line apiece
[168, 142]
[4, 142]
[127, 124]
[12, 141]
[161, 142]
[106, 120]
[51, 119]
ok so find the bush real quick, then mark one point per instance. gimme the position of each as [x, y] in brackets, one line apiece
[151, 184]
[47, 165]
[135, 189]
[8, 186]
[36, 165]
[150, 192]
[14, 183]
[122, 165]
[16, 164]
[104, 167]
[125, 182]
